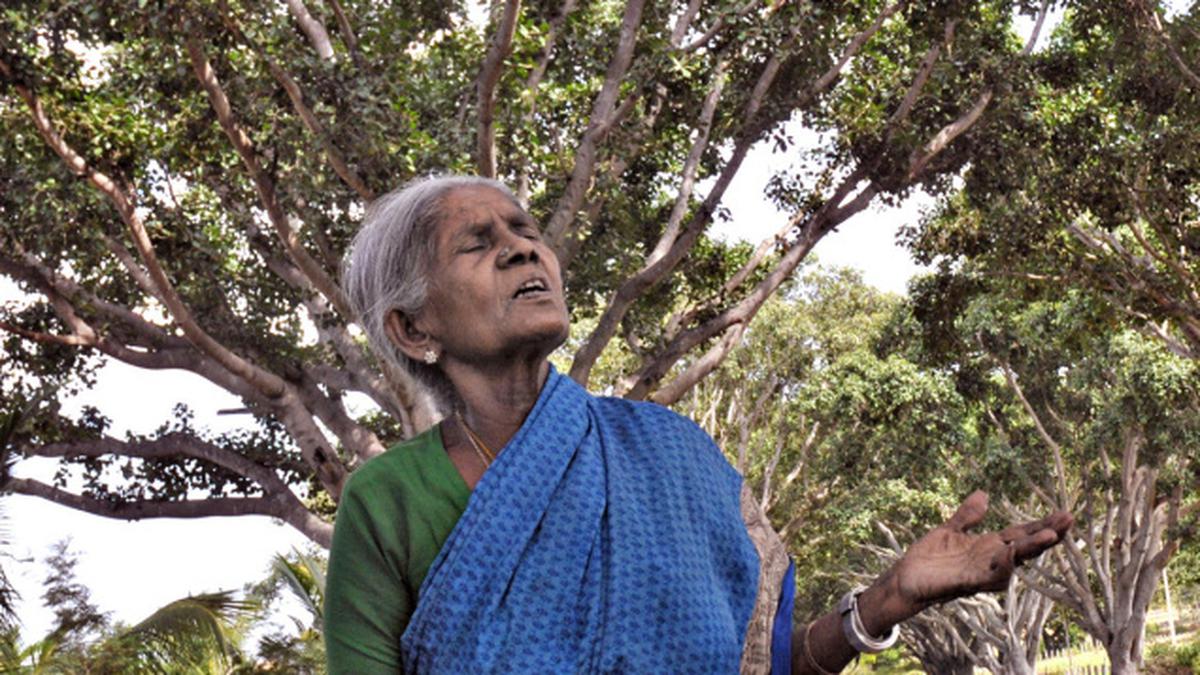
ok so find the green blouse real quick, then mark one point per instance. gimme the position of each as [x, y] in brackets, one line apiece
[394, 515]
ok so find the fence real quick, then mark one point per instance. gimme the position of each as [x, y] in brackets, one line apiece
[1084, 645]
[1081, 657]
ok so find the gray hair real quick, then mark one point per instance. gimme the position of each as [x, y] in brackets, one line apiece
[389, 262]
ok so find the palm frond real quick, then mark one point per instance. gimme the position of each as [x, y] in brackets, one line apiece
[192, 631]
[305, 578]
[8, 593]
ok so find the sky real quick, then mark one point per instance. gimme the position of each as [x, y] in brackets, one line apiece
[132, 568]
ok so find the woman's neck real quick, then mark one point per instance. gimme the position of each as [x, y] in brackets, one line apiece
[496, 401]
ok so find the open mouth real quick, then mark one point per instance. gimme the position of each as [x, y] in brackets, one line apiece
[531, 288]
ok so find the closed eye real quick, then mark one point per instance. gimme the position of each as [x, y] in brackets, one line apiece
[528, 231]
[476, 240]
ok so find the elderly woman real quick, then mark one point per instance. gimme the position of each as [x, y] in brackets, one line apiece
[541, 529]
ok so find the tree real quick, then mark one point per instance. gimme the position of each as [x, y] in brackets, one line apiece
[1102, 425]
[179, 180]
[76, 619]
[8, 594]
[302, 650]
[189, 635]
[1091, 184]
[833, 429]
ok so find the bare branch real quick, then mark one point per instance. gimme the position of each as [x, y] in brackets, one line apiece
[332, 413]
[282, 398]
[308, 524]
[598, 127]
[339, 164]
[1150, 13]
[670, 250]
[262, 183]
[346, 30]
[717, 26]
[313, 29]
[532, 85]
[485, 88]
[826, 218]
[698, 370]
[920, 158]
[856, 44]
[684, 22]
[1060, 470]
[667, 252]
[47, 338]
[1038, 22]
[266, 382]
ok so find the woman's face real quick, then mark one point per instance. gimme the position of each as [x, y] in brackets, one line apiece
[495, 287]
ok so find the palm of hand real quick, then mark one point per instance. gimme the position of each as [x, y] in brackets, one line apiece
[948, 562]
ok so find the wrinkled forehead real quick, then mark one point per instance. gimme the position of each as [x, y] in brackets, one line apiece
[472, 205]
[473, 200]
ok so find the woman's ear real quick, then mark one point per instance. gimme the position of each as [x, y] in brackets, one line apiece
[407, 336]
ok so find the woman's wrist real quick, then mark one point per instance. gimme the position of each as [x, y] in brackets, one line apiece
[882, 606]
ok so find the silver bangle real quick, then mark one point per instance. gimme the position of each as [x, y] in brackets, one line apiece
[856, 633]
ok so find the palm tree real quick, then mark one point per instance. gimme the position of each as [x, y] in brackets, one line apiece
[189, 635]
[305, 578]
[303, 652]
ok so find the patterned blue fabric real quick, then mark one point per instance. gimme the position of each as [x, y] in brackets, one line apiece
[606, 537]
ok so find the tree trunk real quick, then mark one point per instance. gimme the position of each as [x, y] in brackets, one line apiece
[1125, 648]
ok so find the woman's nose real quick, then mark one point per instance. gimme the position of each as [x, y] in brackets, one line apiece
[516, 250]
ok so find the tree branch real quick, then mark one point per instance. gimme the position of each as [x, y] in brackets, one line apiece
[266, 382]
[308, 524]
[339, 164]
[920, 158]
[822, 222]
[313, 29]
[262, 183]
[485, 88]
[532, 86]
[598, 127]
[1155, 22]
[671, 246]
[347, 31]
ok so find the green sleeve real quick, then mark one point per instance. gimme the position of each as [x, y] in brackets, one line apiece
[367, 602]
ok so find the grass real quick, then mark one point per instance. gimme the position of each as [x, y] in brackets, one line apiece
[1060, 664]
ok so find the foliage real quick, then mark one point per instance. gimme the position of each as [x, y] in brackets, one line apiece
[834, 429]
[76, 619]
[187, 635]
[1165, 659]
[178, 181]
[302, 649]
[8, 594]
[1091, 181]
[190, 635]
[1074, 411]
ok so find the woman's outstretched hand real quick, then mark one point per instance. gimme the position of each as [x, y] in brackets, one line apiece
[949, 562]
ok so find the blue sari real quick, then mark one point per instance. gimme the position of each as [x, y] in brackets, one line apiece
[608, 536]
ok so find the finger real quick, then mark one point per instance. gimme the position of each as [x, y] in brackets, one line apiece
[970, 513]
[1059, 521]
[1015, 532]
[1033, 545]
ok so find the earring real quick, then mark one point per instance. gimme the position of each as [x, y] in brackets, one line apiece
[431, 357]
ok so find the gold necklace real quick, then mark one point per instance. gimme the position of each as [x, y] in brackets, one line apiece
[481, 449]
